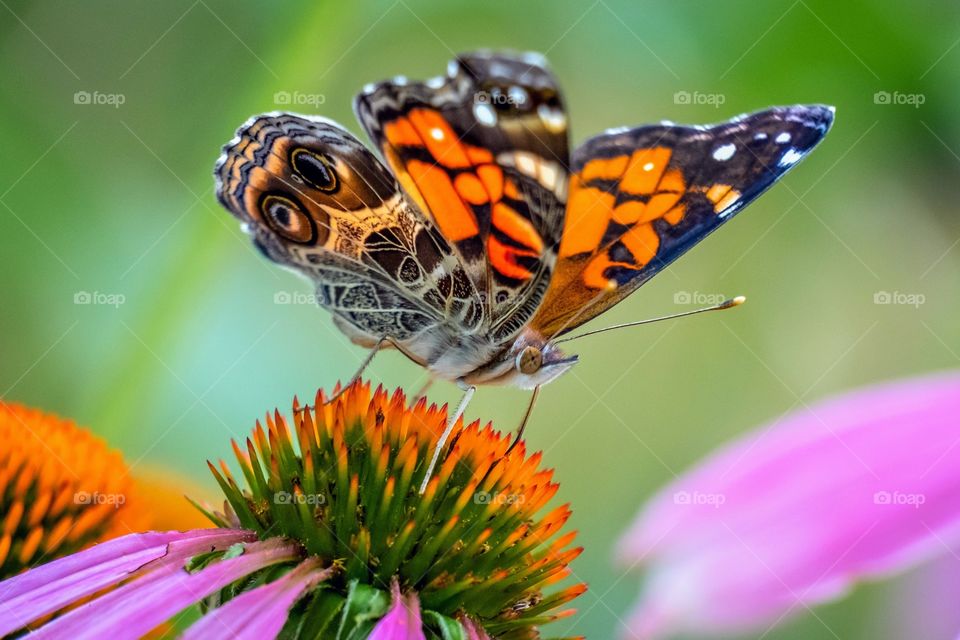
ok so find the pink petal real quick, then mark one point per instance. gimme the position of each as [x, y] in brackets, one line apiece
[140, 605]
[795, 513]
[402, 622]
[50, 587]
[261, 612]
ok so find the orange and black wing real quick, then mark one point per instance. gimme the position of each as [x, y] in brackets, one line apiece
[483, 152]
[640, 198]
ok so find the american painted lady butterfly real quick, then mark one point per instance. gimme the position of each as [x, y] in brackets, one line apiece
[483, 239]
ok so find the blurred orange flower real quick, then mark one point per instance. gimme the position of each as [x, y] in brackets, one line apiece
[63, 489]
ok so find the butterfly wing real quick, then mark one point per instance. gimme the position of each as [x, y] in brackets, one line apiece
[640, 198]
[314, 199]
[484, 152]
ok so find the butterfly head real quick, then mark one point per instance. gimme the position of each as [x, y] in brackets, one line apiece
[534, 361]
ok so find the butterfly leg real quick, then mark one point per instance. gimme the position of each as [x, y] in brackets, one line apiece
[363, 365]
[526, 417]
[366, 362]
[368, 359]
[468, 391]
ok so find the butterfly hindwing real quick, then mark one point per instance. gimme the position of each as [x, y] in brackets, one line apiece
[483, 152]
[640, 198]
[314, 199]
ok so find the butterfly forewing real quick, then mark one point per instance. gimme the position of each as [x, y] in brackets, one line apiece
[484, 152]
[640, 198]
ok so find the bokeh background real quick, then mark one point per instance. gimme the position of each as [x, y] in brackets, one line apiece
[130, 301]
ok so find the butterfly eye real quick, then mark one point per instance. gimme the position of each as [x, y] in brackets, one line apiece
[314, 169]
[287, 218]
[529, 360]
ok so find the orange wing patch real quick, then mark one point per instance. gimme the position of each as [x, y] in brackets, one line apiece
[401, 132]
[459, 178]
[647, 190]
[471, 189]
[722, 196]
[503, 258]
[642, 242]
[455, 220]
[589, 210]
[440, 140]
[516, 227]
[645, 170]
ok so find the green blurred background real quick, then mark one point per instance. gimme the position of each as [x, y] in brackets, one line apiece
[116, 200]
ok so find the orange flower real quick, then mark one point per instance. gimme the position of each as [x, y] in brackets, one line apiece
[62, 489]
[342, 478]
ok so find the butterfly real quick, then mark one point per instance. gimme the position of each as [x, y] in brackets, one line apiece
[472, 239]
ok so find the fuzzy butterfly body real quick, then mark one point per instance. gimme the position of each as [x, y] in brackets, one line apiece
[479, 238]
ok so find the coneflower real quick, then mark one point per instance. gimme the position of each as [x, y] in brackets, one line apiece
[61, 489]
[325, 534]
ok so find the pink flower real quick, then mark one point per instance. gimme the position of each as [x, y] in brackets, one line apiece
[795, 513]
[402, 622]
[150, 568]
[261, 612]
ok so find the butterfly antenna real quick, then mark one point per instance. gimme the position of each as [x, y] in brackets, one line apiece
[726, 304]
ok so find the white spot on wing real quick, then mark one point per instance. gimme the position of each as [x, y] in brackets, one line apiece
[724, 152]
[533, 59]
[790, 157]
[760, 136]
[518, 95]
[436, 82]
[783, 138]
[485, 114]
[649, 166]
[436, 134]
[731, 208]
[499, 69]
[549, 175]
[553, 119]
[526, 163]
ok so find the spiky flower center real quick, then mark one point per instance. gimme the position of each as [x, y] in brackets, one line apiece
[342, 478]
